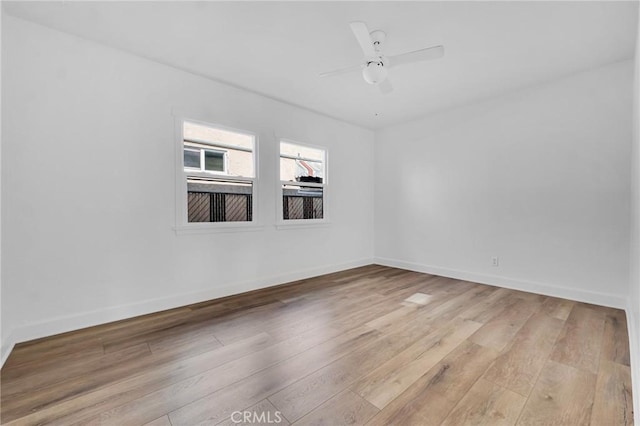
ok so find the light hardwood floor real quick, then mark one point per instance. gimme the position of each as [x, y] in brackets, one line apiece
[371, 345]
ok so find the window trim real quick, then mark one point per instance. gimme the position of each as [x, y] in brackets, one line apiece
[182, 225]
[281, 223]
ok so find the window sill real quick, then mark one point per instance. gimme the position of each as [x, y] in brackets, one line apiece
[303, 223]
[215, 228]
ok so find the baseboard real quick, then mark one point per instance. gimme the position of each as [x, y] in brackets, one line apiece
[64, 324]
[572, 293]
[7, 346]
[634, 348]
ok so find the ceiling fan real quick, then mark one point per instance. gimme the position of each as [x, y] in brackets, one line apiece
[375, 65]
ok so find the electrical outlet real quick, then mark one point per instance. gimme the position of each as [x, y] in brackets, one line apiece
[495, 261]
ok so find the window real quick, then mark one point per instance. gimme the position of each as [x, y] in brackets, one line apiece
[302, 182]
[204, 160]
[218, 174]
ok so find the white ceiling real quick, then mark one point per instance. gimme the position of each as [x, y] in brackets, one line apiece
[279, 48]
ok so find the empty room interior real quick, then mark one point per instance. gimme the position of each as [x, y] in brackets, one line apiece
[320, 213]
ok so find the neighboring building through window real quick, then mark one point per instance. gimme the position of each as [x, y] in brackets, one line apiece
[303, 181]
[219, 167]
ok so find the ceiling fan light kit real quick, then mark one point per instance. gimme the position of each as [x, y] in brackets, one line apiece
[375, 67]
[374, 72]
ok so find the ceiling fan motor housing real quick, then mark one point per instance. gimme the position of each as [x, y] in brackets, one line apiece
[378, 37]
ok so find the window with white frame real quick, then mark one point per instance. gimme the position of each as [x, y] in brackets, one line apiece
[204, 159]
[218, 167]
[302, 181]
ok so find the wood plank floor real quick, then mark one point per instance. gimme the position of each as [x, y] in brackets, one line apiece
[372, 345]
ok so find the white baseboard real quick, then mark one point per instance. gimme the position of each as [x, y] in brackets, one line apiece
[91, 318]
[572, 293]
[8, 342]
[634, 348]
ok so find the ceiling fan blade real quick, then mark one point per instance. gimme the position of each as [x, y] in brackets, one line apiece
[386, 86]
[427, 54]
[361, 32]
[342, 71]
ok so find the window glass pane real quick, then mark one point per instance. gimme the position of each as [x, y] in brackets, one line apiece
[214, 161]
[301, 163]
[192, 158]
[239, 148]
[227, 194]
[300, 202]
[219, 200]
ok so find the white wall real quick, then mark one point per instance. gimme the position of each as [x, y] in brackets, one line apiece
[633, 307]
[88, 188]
[539, 178]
